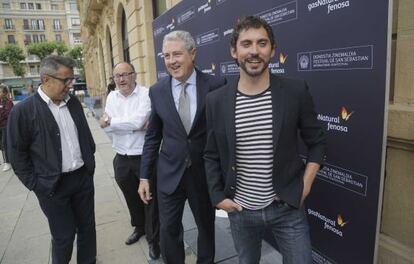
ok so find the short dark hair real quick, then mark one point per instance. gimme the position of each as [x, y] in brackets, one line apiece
[4, 88]
[248, 22]
[51, 64]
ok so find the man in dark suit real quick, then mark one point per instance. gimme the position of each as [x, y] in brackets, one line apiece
[51, 150]
[253, 167]
[178, 121]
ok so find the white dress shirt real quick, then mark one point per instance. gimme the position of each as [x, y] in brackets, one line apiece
[128, 118]
[191, 92]
[71, 153]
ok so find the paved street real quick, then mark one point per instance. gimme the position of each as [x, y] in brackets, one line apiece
[25, 237]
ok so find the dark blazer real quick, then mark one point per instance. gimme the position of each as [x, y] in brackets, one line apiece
[293, 111]
[34, 145]
[178, 150]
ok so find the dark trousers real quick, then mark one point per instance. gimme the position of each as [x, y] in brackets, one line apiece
[3, 139]
[171, 208]
[143, 217]
[71, 211]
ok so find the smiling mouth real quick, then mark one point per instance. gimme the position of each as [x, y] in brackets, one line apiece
[175, 67]
[254, 61]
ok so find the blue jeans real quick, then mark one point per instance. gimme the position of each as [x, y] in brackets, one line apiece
[288, 225]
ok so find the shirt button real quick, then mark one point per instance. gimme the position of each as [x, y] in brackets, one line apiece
[232, 168]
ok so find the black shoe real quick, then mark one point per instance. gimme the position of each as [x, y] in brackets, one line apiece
[134, 237]
[154, 250]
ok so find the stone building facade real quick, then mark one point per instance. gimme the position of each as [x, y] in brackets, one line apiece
[26, 21]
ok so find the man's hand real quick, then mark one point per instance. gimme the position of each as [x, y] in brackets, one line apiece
[144, 191]
[105, 120]
[229, 206]
[310, 173]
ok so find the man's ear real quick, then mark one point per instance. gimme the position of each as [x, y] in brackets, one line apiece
[44, 79]
[192, 54]
[233, 53]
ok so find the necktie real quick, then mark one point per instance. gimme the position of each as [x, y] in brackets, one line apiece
[184, 107]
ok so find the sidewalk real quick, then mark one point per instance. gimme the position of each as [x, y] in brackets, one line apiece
[24, 233]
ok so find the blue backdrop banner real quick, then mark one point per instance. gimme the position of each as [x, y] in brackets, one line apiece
[340, 48]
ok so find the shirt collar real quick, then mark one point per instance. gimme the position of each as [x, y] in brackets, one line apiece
[191, 80]
[135, 91]
[47, 99]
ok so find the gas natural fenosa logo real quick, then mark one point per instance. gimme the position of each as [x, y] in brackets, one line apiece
[341, 221]
[337, 123]
[282, 58]
[345, 115]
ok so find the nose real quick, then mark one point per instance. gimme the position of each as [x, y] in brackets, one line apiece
[253, 49]
[71, 83]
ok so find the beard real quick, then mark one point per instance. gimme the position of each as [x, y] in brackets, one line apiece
[256, 71]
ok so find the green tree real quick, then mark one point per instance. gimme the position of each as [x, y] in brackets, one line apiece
[43, 49]
[77, 54]
[12, 55]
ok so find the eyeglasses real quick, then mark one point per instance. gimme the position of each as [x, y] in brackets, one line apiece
[67, 81]
[119, 76]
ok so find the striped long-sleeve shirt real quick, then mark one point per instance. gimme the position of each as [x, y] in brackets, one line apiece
[254, 150]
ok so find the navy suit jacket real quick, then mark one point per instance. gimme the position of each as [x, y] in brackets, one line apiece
[167, 139]
[293, 112]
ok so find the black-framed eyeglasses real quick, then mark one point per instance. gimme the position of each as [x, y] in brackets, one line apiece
[67, 81]
[122, 75]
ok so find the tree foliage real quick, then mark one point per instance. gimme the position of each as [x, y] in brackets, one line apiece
[77, 55]
[12, 55]
[43, 49]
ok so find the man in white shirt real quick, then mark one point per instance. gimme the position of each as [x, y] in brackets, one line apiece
[126, 113]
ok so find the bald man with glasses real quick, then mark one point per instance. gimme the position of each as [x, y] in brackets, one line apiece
[51, 151]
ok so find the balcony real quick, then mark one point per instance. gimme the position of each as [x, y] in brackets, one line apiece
[9, 27]
[31, 28]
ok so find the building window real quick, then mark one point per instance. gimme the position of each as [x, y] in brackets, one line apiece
[159, 7]
[41, 23]
[55, 7]
[26, 24]
[73, 7]
[75, 22]
[8, 23]
[27, 39]
[42, 38]
[77, 38]
[56, 24]
[33, 70]
[58, 37]
[5, 5]
[39, 6]
[11, 39]
[125, 43]
[110, 47]
[30, 6]
[35, 38]
[23, 6]
[35, 25]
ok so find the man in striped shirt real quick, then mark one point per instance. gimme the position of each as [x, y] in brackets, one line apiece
[253, 167]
